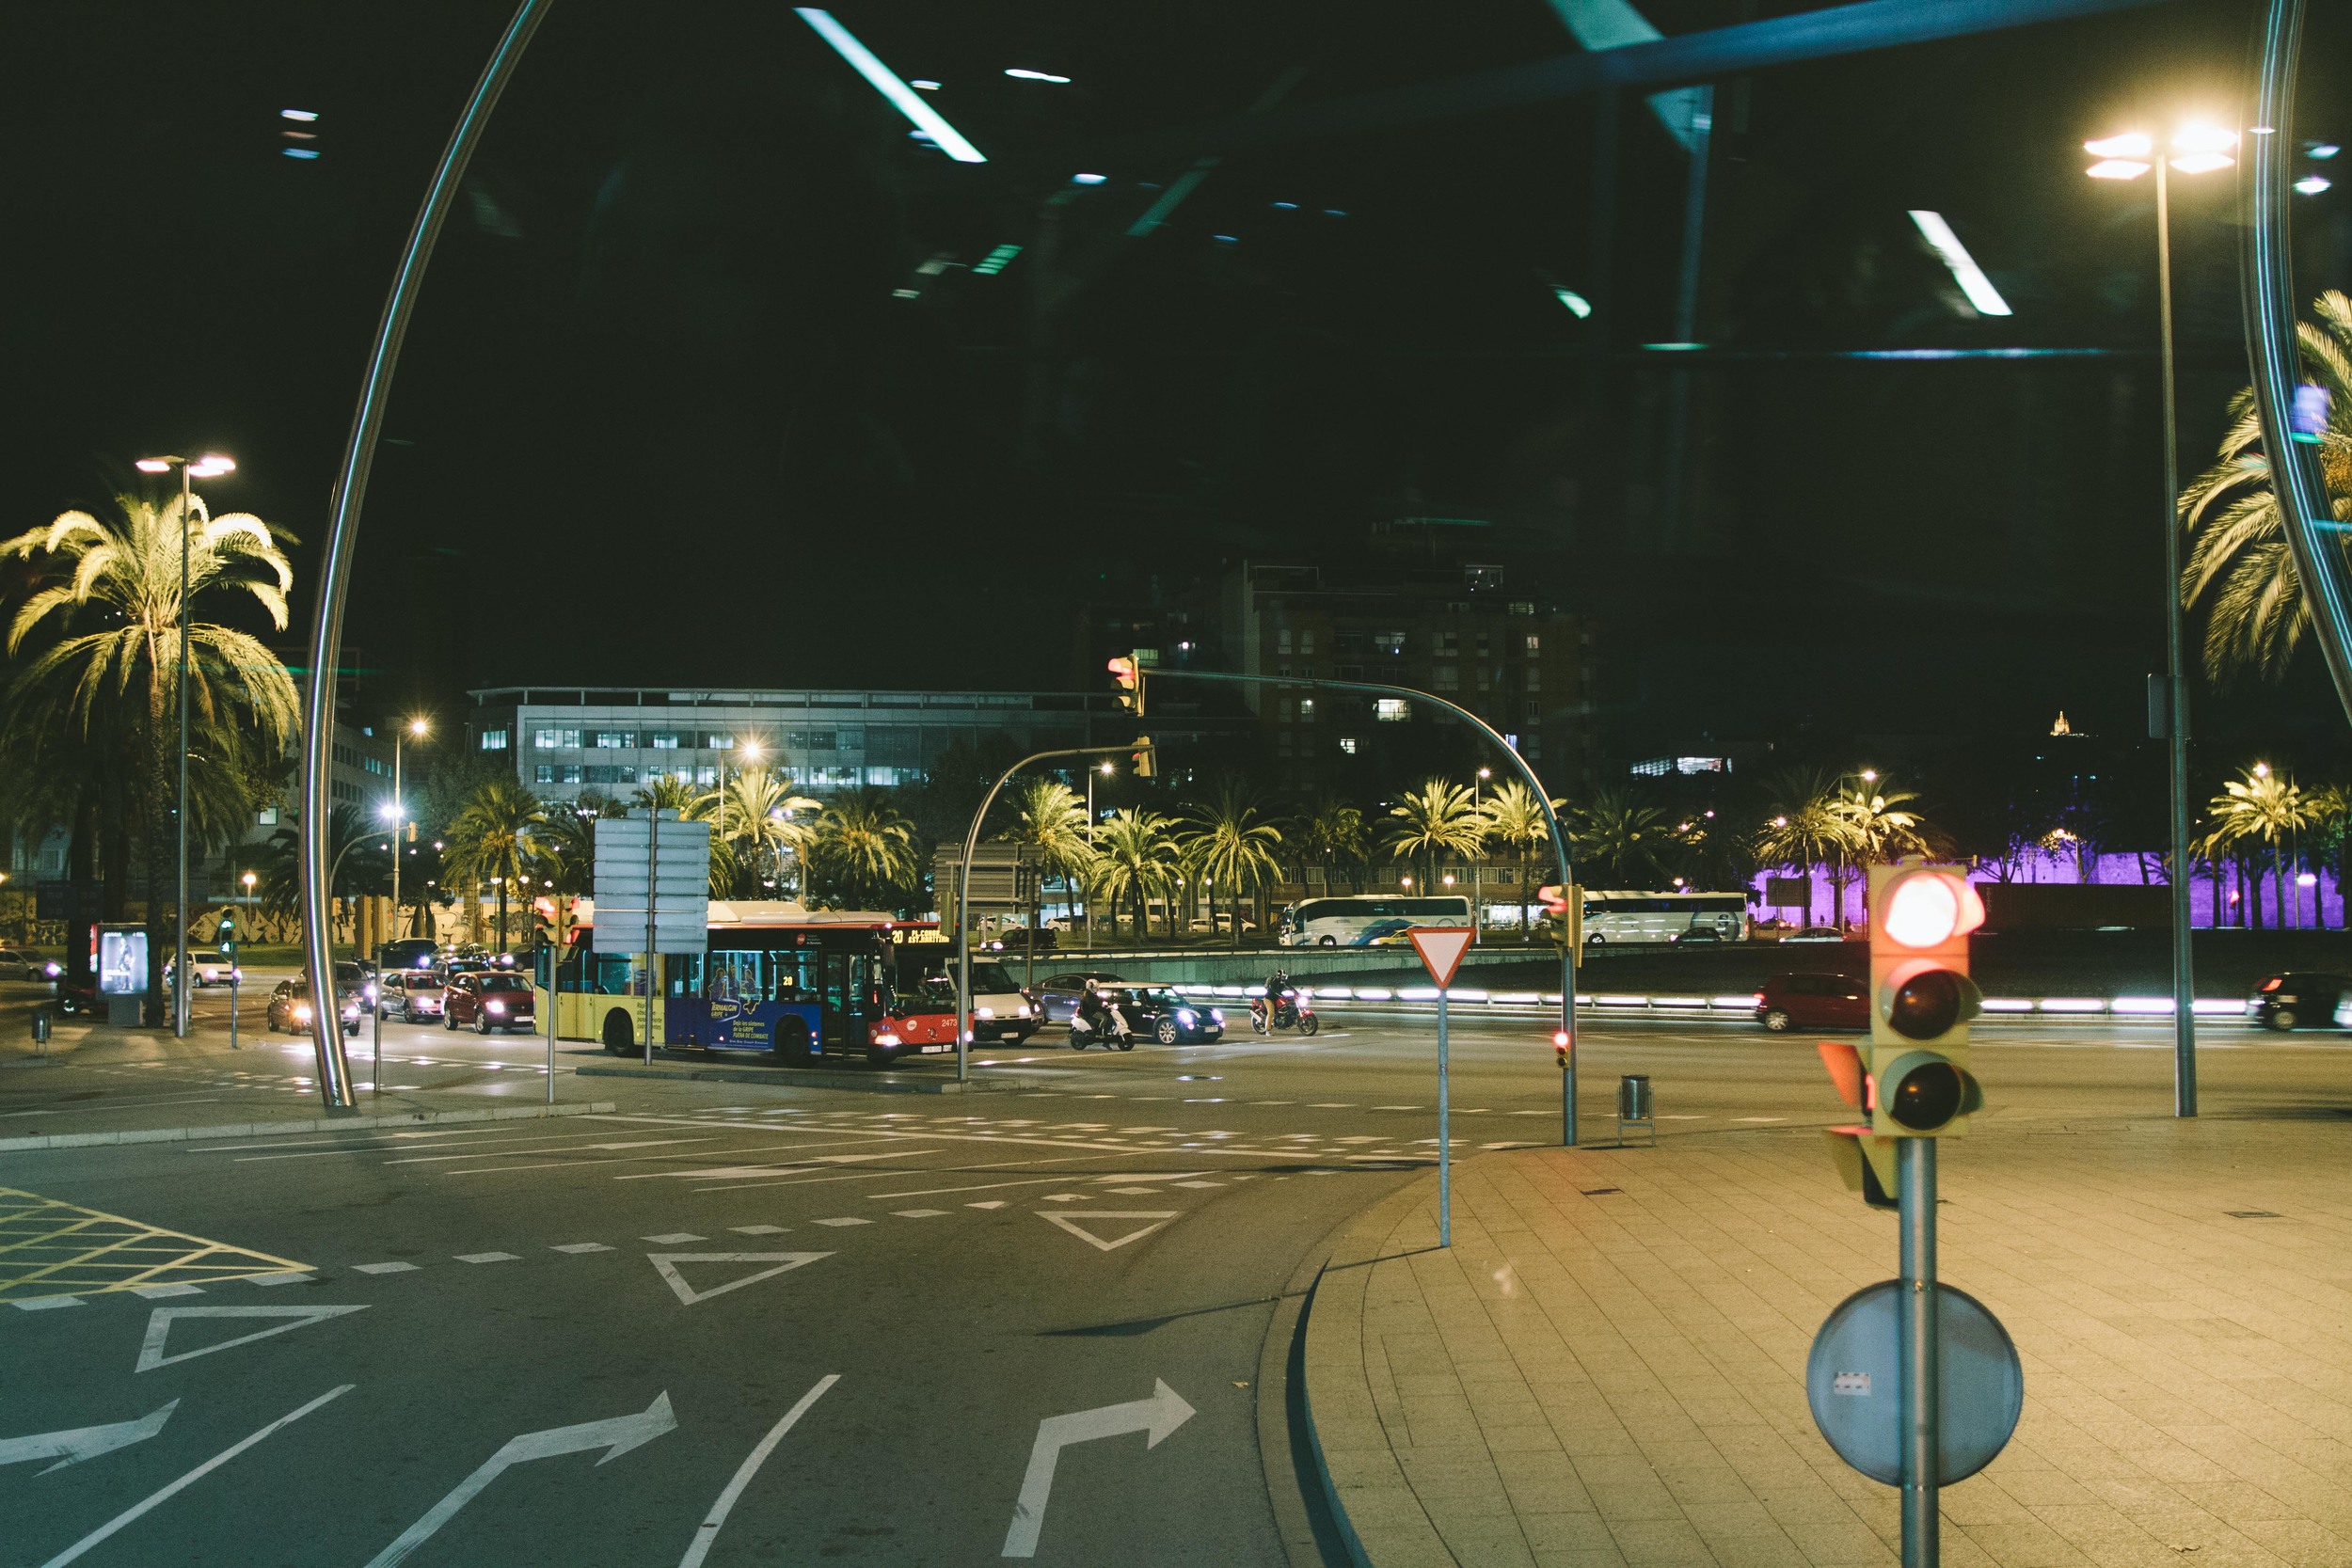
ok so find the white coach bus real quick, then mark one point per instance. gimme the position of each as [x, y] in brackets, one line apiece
[1664, 916]
[1360, 919]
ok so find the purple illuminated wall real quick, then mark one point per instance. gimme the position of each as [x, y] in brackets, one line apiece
[2130, 869]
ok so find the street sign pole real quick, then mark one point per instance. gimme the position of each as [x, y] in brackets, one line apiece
[1445, 1136]
[555, 961]
[653, 857]
[1918, 1355]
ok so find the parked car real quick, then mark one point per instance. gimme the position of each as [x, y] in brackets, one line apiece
[1057, 998]
[1816, 933]
[489, 1002]
[1015, 939]
[16, 964]
[205, 972]
[1163, 1015]
[411, 996]
[2302, 998]
[1813, 1001]
[1697, 936]
[289, 1010]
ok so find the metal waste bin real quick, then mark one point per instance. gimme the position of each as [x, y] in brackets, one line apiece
[40, 1029]
[1634, 1105]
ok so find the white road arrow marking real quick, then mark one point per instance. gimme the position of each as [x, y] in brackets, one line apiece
[1160, 1414]
[666, 1263]
[72, 1448]
[1067, 1222]
[749, 1468]
[616, 1436]
[160, 1320]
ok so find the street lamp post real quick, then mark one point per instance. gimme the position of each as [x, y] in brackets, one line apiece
[2195, 148]
[1105, 770]
[236, 970]
[397, 812]
[206, 467]
[1478, 862]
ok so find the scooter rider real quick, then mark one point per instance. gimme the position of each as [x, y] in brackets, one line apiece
[1095, 1018]
[1278, 991]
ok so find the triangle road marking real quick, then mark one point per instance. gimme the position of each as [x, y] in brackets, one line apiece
[160, 1320]
[1066, 1221]
[665, 1263]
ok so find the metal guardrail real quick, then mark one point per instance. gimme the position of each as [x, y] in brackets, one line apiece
[1996, 1008]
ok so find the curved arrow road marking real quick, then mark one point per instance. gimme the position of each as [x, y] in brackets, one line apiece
[72, 1448]
[1160, 1414]
[749, 1468]
[616, 1436]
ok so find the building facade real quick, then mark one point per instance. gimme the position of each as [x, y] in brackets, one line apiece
[562, 741]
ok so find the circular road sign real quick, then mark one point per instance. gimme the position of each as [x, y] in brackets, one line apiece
[1853, 1382]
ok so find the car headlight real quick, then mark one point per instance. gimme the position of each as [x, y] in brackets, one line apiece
[495, 1007]
[1021, 1011]
[1186, 1017]
[1217, 1013]
[371, 993]
[302, 1011]
[986, 1013]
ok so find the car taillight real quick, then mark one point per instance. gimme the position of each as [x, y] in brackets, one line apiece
[2274, 982]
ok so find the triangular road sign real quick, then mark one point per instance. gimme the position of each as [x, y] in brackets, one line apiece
[1158, 1216]
[160, 1320]
[1441, 948]
[779, 1262]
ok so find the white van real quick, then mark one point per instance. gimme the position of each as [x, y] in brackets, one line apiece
[1000, 1010]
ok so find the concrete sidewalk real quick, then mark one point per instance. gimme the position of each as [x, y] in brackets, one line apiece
[1607, 1368]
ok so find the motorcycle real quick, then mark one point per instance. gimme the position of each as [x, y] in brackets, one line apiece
[1113, 1032]
[1293, 1011]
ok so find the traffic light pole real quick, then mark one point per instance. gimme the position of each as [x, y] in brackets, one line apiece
[1551, 818]
[1916, 1326]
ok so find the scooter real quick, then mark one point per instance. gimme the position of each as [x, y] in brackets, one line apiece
[1294, 1011]
[1114, 1032]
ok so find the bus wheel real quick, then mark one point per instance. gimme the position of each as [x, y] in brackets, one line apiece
[620, 1034]
[792, 1041]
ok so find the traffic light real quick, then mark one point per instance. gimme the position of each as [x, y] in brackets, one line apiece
[227, 934]
[1129, 678]
[553, 912]
[1861, 1157]
[1563, 916]
[1921, 1000]
[1146, 755]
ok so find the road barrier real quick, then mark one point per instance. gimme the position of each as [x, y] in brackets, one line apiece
[1996, 1008]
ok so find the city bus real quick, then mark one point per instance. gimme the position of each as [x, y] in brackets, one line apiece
[794, 985]
[1356, 920]
[1663, 916]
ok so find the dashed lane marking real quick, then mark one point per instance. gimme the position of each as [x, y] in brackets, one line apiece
[847, 1219]
[918, 1214]
[581, 1246]
[675, 1238]
[49, 1248]
[759, 1229]
[490, 1257]
[379, 1268]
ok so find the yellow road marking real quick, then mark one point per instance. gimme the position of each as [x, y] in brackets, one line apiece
[49, 1248]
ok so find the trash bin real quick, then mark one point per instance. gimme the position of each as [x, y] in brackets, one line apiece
[40, 1029]
[1633, 1097]
[1634, 1105]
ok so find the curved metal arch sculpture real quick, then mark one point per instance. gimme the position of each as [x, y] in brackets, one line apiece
[350, 494]
[2266, 278]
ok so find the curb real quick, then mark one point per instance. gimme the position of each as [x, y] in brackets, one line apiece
[312, 1124]
[795, 1078]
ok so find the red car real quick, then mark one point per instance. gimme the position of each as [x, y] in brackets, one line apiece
[496, 1000]
[1813, 1001]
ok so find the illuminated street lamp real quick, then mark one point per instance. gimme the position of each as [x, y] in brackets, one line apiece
[2198, 148]
[395, 812]
[210, 466]
[1106, 769]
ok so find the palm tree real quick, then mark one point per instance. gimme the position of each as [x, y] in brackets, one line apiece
[124, 574]
[1332, 831]
[2331, 817]
[1801, 830]
[491, 841]
[1135, 856]
[1514, 815]
[1231, 847]
[2265, 807]
[1620, 839]
[864, 850]
[763, 817]
[2238, 556]
[1879, 825]
[1440, 818]
[358, 866]
[1051, 818]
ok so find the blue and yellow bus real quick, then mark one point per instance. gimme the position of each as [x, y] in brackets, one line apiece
[792, 984]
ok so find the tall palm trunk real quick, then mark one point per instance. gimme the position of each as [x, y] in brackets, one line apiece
[158, 795]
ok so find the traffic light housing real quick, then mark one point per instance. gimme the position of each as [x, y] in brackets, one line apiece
[227, 934]
[1865, 1160]
[1147, 758]
[1921, 1000]
[553, 911]
[1129, 676]
[1563, 916]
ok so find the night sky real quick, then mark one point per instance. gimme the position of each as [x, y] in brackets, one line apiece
[664, 415]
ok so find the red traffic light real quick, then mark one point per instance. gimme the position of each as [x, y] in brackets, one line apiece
[1927, 909]
[1554, 899]
[1122, 668]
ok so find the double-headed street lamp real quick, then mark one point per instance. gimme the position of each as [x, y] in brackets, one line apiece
[2196, 148]
[196, 468]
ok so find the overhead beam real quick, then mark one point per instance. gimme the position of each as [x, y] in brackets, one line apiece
[1820, 35]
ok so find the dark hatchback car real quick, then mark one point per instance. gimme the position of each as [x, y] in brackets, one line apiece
[487, 1003]
[1156, 1012]
[1813, 1001]
[2304, 999]
[1057, 997]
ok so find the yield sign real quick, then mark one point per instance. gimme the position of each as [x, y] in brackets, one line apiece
[1441, 948]
[1069, 1222]
[666, 1263]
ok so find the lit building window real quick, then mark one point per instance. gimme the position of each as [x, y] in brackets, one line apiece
[1347, 744]
[717, 740]
[1534, 643]
[1391, 710]
[615, 740]
[665, 741]
[544, 773]
[1653, 768]
[1306, 710]
[551, 741]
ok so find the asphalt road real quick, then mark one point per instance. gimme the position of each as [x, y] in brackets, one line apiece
[976, 1272]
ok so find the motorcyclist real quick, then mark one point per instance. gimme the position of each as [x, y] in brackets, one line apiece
[1278, 991]
[1088, 1020]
